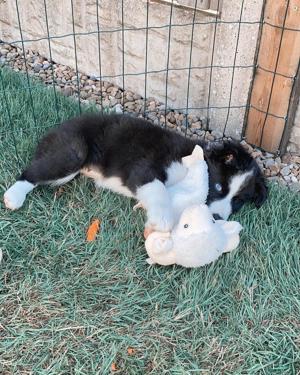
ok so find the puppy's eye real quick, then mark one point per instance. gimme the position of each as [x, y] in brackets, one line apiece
[218, 187]
[185, 226]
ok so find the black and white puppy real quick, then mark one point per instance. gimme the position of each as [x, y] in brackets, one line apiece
[135, 158]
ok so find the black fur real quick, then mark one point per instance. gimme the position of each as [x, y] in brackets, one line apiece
[137, 151]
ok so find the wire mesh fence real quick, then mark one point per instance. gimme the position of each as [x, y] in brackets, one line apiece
[179, 68]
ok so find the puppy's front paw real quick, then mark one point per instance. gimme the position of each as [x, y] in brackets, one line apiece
[160, 219]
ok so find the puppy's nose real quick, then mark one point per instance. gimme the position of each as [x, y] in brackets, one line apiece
[217, 217]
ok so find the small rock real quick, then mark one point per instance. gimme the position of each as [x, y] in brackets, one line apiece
[286, 158]
[112, 90]
[210, 137]
[217, 134]
[274, 169]
[269, 163]
[113, 101]
[37, 67]
[285, 171]
[4, 51]
[129, 105]
[46, 65]
[152, 106]
[196, 125]
[171, 117]
[256, 154]
[295, 159]
[118, 108]
[11, 55]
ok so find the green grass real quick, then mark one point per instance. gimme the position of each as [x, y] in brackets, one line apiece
[71, 307]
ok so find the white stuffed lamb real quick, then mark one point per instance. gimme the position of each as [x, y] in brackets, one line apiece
[196, 240]
[192, 188]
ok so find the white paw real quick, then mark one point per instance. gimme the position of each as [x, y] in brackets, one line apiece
[15, 196]
[12, 200]
[160, 219]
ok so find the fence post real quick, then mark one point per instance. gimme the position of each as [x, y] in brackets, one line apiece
[278, 60]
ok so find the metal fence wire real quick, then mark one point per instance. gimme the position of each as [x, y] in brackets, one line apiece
[193, 108]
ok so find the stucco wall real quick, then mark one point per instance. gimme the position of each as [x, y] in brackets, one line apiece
[32, 18]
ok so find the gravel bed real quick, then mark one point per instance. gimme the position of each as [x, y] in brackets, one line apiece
[284, 170]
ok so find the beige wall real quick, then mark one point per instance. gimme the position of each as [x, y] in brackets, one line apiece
[32, 16]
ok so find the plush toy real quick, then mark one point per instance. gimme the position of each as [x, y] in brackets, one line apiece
[196, 240]
[192, 188]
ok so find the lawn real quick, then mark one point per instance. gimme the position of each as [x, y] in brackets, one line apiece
[72, 307]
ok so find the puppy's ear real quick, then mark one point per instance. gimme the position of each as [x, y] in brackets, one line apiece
[260, 192]
[230, 158]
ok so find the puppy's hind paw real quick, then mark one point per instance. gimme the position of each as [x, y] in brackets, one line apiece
[13, 201]
[15, 196]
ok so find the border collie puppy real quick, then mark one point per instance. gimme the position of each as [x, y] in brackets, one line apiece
[135, 158]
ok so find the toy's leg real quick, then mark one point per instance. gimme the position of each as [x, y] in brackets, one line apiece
[155, 199]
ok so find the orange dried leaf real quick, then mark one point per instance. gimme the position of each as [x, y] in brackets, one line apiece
[93, 229]
[113, 367]
[130, 351]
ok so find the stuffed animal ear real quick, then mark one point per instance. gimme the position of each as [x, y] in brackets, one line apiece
[232, 230]
[198, 152]
[196, 155]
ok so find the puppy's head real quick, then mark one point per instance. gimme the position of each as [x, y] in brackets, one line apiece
[234, 178]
